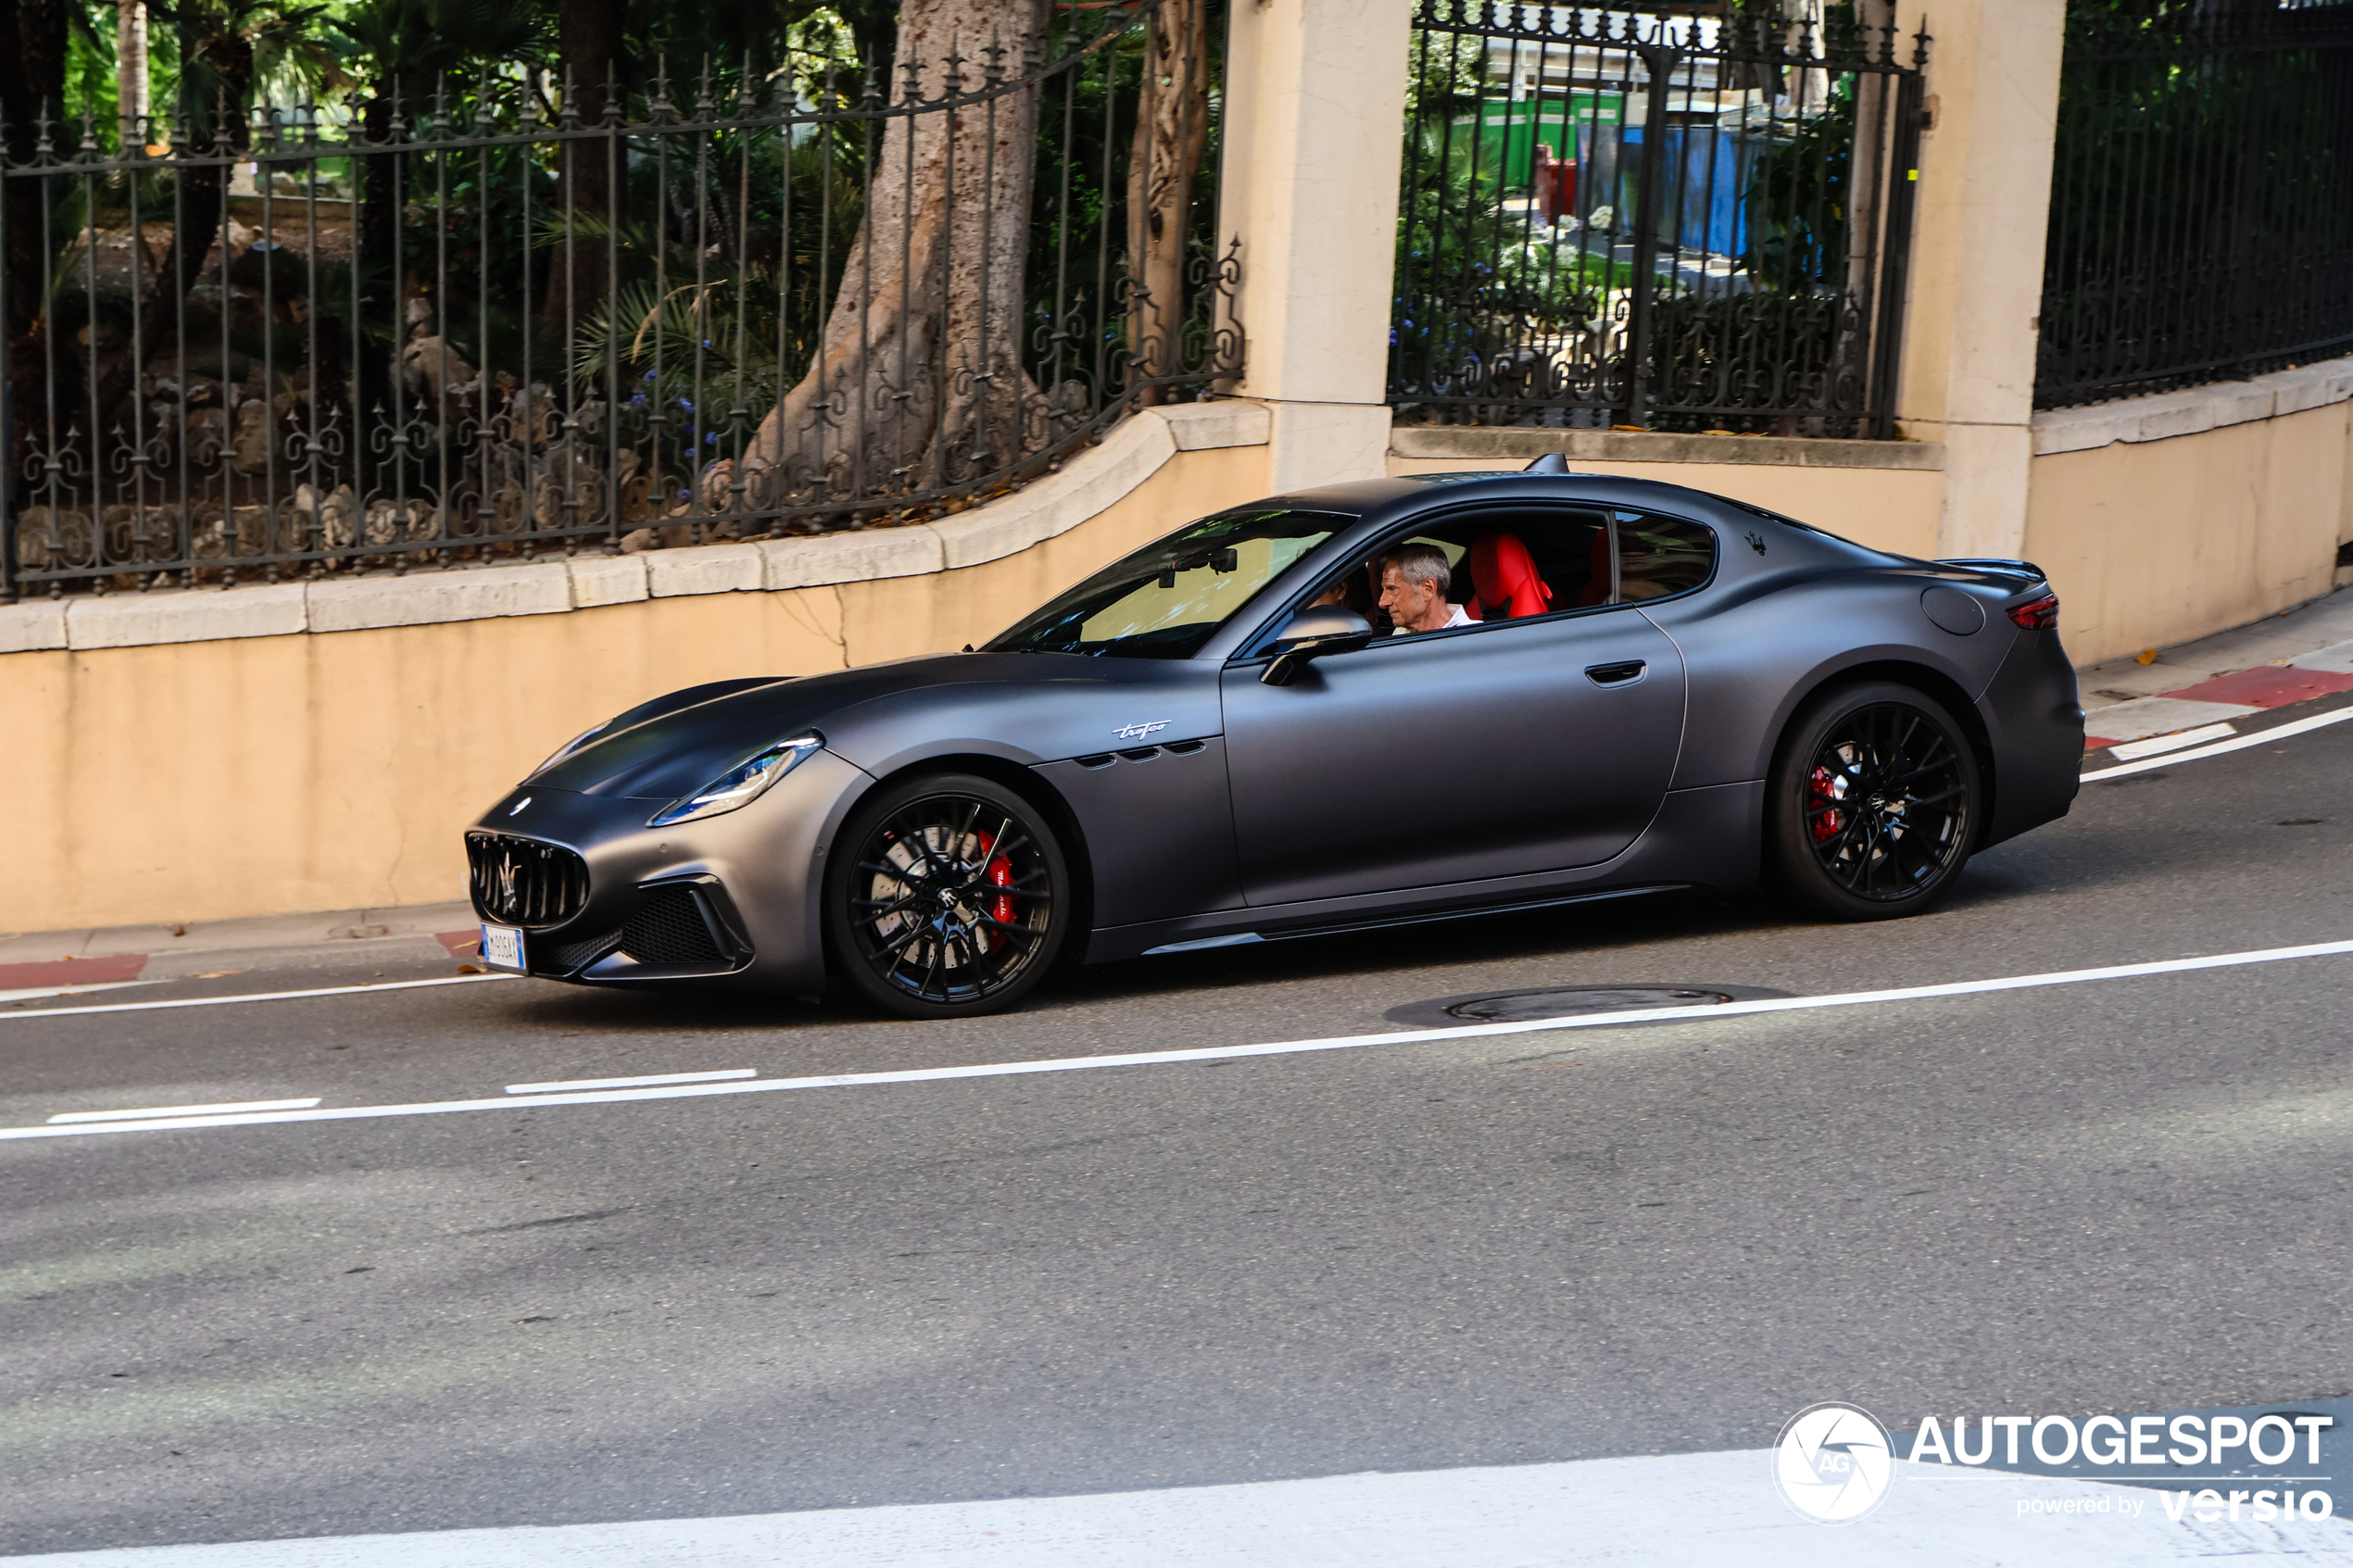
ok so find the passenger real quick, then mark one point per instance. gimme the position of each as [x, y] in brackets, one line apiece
[1414, 580]
[1352, 590]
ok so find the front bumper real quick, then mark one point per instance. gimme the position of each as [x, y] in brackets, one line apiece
[731, 897]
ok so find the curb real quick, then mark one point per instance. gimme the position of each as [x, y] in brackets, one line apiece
[69, 974]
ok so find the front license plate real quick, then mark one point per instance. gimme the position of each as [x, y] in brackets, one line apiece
[502, 948]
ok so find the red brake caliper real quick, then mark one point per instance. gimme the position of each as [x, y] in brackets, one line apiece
[1822, 790]
[1000, 874]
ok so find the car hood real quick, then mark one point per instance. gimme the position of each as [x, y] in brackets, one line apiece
[1031, 707]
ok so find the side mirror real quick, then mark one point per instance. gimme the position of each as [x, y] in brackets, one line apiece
[1310, 634]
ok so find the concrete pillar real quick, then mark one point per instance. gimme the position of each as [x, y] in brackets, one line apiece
[1314, 139]
[1968, 377]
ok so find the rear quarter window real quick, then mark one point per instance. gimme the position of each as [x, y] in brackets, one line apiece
[1661, 556]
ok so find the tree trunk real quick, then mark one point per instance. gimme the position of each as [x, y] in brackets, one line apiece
[589, 41]
[1172, 126]
[918, 383]
[199, 214]
[383, 193]
[130, 71]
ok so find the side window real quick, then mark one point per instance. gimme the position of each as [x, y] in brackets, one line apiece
[1659, 556]
[1513, 563]
[1500, 564]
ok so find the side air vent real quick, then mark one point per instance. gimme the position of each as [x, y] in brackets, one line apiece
[670, 929]
[1100, 759]
[1141, 753]
[1183, 747]
[524, 881]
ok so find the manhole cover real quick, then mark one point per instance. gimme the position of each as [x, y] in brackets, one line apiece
[1567, 1001]
[1518, 1006]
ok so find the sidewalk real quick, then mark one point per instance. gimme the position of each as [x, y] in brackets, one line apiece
[2306, 652]
[2188, 693]
[49, 961]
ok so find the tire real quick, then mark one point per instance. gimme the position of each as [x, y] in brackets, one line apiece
[949, 896]
[1873, 803]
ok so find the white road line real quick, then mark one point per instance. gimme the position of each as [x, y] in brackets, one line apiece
[256, 996]
[153, 1111]
[2134, 750]
[1218, 1053]
[558, 1086]
[2240, 743]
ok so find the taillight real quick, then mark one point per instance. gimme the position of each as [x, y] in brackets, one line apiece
[2037, 615]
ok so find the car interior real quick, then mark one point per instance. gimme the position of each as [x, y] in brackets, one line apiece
[1511, 563]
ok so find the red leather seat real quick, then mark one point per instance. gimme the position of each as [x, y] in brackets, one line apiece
[1504, 576]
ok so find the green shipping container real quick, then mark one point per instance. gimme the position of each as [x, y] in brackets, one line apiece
[1509, 129]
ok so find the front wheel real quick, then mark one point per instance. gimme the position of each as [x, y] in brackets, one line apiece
[948, 896]
[1873, 803]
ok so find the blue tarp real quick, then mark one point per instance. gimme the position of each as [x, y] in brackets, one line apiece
[1707, 169]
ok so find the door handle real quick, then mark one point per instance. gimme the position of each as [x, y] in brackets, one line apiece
[1618, 674]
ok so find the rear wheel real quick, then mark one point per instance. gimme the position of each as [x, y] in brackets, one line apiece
[948, 896]
[1873, 803]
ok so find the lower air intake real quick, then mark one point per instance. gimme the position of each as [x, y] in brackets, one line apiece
[671, 929]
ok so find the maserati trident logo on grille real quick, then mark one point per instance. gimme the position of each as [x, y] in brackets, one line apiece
[506, 879]
[1137, 732]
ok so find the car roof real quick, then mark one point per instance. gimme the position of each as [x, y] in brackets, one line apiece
[1403, 494]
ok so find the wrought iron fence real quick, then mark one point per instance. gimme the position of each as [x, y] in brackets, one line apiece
[475, 327]
[1665, 223]
[2201, 223]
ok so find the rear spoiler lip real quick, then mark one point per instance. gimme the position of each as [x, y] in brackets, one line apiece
[1996, 563]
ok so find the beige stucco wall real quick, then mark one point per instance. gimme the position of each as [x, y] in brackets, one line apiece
[2156, 541]
[1886, 509]
[259, 775]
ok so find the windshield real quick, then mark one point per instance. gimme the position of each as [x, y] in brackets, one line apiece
[1164, 601]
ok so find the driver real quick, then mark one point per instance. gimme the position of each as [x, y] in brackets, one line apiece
[1414, 580]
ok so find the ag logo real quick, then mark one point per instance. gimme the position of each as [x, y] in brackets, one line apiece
[1137, 732]
[1833, 1463]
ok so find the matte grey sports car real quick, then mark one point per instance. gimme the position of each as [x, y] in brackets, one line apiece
[1374, 703]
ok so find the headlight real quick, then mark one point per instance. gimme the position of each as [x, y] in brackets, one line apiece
[575, 744]
[740, 784]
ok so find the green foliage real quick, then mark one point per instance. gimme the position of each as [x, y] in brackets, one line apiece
[1445, 73]
[689, 330]
[1798, 200]
[231, 51]
[425, 46]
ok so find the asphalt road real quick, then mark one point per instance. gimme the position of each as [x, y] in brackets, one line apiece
[2129, 1194]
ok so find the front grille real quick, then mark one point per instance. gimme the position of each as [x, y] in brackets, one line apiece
[670, 929]
[524, 881]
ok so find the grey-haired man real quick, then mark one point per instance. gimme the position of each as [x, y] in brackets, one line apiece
[1414, 580]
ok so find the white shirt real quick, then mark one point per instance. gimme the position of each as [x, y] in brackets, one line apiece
[1455, 618]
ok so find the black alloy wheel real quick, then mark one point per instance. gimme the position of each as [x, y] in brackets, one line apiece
[948, 896]
[1874, 803]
